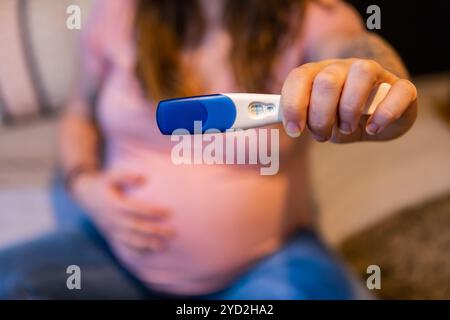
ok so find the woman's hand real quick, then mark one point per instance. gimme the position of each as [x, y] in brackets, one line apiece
[136, 224]
[329, 96]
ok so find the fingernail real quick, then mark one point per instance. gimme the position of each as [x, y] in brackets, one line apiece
[293, 130]
[345, 128]
[372, 129]
[318, 137]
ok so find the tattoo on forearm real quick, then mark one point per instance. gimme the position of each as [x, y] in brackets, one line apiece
[371, 46]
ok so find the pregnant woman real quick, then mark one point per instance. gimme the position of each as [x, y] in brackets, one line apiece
[154, 229]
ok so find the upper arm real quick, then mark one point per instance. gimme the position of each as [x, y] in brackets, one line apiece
[91, 64]
[327, 24]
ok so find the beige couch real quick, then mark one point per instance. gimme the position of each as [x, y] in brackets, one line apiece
[38, 59]
[356, 185]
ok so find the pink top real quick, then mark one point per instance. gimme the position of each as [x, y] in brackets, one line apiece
[226, 216]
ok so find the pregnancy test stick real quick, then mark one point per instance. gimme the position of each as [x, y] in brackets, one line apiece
[233, 111]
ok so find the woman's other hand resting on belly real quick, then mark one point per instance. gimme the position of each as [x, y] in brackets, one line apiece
[137, 225]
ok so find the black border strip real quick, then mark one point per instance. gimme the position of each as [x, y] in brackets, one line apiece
[30, 61]
[219, 309]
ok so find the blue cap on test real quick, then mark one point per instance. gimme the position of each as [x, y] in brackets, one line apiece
[215, 111]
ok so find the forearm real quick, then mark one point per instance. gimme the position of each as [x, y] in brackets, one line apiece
[371, 46]
[364, 45]
[79, 143]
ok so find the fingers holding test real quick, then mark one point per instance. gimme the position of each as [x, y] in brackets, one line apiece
[401, 96]
[295, 98]
[362, 77]
[325, 95]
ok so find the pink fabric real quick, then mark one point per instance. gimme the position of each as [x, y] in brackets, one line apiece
[226, 217]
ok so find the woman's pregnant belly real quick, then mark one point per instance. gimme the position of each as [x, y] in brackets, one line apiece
[225, 218]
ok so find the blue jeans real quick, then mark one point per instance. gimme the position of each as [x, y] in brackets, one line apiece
[303, 269]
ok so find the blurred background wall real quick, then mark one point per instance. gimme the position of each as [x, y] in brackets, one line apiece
[419, 31]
